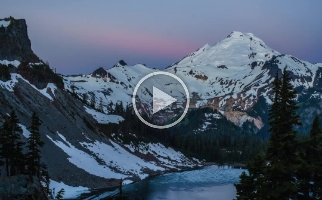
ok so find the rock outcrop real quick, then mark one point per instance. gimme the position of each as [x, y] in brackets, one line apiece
[21, 187]
[15, 43]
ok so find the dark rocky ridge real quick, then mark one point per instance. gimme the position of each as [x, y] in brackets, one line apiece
[99, 72]
[15, 43]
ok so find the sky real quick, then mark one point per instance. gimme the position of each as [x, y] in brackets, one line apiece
[80, 36]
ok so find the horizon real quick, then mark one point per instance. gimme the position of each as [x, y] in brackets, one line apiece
[84, 36]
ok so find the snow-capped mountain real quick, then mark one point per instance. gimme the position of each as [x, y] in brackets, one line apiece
[76, 150]
[229, 76]
[234, 77]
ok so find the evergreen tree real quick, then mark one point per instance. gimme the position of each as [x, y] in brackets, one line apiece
[100, 106]
[110, 107]
[282, 152]
[245, 188]
[5, 147]
[277, 178]
[93, 101]
[251, 185]
[121, 189]
[60, 194]
[45, 178]
[34, 144]
[17, 161]
[85, 97]
[274, 115]
[314, 160]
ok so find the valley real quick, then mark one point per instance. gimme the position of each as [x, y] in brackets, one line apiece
[93, 139]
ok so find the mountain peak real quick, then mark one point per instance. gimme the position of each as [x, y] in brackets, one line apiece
[237, 49]
[99, 72]
[14, 40]
[236, 34]
[121, 62]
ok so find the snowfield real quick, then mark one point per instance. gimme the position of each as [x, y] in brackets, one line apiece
[112, 160]
[233, 73]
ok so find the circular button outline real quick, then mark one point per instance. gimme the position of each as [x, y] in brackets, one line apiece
[154, 74]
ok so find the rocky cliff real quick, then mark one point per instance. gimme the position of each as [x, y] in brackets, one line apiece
[14, 40]
[77, 151]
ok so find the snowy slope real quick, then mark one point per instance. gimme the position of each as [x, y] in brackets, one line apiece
[48, 92]
[113, 160]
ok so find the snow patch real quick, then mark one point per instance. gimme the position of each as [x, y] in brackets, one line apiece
[70, 191]
[25, 131]
[104, 118]
[10, 84]
[52, 87]
[4, 23]
[15, 63]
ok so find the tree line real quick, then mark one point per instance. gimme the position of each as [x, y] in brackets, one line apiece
[226, 143]
[291, 167]
[14, 160]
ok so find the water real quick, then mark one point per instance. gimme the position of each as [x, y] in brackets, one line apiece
[210, 182]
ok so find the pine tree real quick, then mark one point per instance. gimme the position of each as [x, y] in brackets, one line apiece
[314, 159]
[250, 186]
[45, 179]
[93, 101]
[277, 178]
[17, 161]
[5, 146]
[274, 115]
[282, 152]
[100, 106]
[34, 144]
[121, 189]
[110, 108]
[245, 188]
[85, 97]
[60, 194]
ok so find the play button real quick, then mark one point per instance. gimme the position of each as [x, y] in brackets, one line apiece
[161, 100]
[162, 97]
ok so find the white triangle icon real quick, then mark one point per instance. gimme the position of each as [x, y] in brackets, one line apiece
[161, 100]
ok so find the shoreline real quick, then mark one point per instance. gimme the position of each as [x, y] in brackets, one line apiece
[92, 192]
[152, 175]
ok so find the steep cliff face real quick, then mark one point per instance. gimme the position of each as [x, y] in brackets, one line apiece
[16, 56]
[15, 44]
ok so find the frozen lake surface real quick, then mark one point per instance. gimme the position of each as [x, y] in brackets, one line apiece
[210, 182]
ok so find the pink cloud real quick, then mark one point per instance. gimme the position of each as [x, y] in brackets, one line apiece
[137, 41]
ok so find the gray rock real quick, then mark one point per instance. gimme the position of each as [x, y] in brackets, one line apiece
[21, 187]
[15, 43]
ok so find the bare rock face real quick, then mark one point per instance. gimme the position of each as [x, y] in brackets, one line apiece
[100, 72]
[318, 79]
[21, 187]
[15, 43]
[238, 118]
